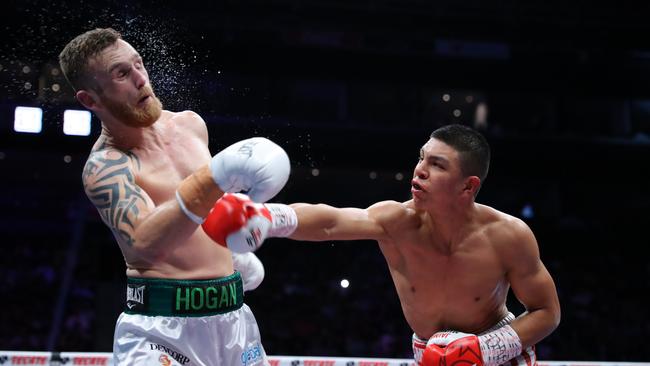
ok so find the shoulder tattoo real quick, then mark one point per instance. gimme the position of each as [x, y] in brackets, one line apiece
[114, 191]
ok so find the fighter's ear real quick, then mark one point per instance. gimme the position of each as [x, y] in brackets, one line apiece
[87, 99]
[472, 185]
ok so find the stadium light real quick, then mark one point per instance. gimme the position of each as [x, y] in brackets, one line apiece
[76, 123]
[28, 119]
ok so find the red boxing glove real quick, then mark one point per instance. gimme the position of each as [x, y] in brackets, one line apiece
[492, 348]
[238, 223]
[452, 348]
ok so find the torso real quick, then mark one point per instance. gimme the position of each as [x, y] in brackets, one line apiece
[158, 169]
[442, 286]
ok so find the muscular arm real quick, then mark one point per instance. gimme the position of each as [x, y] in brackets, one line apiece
[532, 285]
[322, 222]
[150, 232]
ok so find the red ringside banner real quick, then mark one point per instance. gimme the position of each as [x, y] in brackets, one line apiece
[10, 358]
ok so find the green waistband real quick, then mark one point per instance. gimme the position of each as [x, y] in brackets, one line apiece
[168, 297]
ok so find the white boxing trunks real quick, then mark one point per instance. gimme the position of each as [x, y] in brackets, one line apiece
[187, 323]
[526, 358]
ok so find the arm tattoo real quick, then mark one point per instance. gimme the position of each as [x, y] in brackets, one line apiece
[114, 193]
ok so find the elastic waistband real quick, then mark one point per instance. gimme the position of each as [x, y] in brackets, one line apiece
[169, 297]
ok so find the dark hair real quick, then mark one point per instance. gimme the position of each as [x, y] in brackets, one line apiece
[74, 57]
[473, 149]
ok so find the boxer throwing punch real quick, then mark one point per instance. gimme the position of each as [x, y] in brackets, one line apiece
[153, 181]
[452, 260]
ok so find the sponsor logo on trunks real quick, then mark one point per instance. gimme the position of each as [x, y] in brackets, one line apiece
[135, 296]
[181, 358]
[192, 299]
[251, 355]
[164, 360]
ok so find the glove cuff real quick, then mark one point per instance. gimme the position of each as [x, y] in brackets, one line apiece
[284, 220]
[196, 194]
[499, 346]
[190, 215]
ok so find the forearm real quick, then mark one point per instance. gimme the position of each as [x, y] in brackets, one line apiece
[197, 194]
[536, 291]
[492, 348]
[162, 231]
[171, 224]
[315, 222]
[536, 324]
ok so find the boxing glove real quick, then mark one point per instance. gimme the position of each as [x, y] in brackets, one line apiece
[449, 348]
[242, 225]
[256, 166]
[490, 349]
[251, 269]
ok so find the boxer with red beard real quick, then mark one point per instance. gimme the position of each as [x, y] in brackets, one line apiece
[151, 176]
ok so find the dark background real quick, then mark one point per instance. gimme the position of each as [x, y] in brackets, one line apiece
[351, 89]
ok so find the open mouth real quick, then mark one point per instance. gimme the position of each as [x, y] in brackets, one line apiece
[143, 99]
[416, 186]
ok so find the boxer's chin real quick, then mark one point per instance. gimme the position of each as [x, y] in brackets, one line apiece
[143, 115]
[418, 201]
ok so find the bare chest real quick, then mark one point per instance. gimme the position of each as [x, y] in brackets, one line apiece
[471, 271]
[160, 171]
[464, 289]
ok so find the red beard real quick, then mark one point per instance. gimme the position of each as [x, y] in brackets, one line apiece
[136, 116]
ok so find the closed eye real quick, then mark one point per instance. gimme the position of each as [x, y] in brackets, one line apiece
[122, 73]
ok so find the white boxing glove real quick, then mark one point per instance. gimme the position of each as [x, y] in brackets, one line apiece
[256, 165]
[251, 269]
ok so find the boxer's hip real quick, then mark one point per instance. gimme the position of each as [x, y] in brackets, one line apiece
[231, 338]
[187, 322]
[184, 298]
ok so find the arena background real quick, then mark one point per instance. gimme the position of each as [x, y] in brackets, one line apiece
[351, 89]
